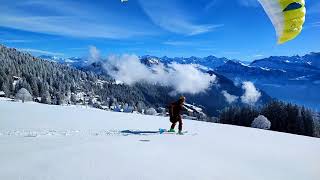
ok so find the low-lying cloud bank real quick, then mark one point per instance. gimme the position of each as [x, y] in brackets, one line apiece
[250, 96]
[183, 78]
[229, 97]
[94, 55]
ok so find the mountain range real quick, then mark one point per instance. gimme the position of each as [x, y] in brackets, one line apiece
[54, 80]
[294, 79]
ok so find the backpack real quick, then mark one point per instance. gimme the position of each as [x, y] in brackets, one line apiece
[170, 110]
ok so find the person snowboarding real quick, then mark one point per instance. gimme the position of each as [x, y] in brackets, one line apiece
[175, 110]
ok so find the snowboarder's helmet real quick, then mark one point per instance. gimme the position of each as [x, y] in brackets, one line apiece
[182, 98]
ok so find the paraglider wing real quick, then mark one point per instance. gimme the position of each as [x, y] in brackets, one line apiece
[287, 17]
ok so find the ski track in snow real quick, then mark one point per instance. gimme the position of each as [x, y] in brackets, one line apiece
[113, 132]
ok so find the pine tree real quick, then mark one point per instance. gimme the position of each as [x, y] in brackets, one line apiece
[73, 98]
[6, 88]
[45, 97]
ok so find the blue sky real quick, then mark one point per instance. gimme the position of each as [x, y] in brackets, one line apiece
[237, 29]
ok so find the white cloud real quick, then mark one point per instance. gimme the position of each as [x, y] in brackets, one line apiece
[208, 49]
[249, 3]
[314, 8]
[169, 15]
[230, 52]
[127, 68]
[229, 97]
[94, 55]
[70, 18]
[14, 41]
[183, 78]
[210, 4]
[257, 56]
[196, 43]
[178, 43]
[38, 51]
[315, 24]
[251, 94]
[246, 3]
[188, 79]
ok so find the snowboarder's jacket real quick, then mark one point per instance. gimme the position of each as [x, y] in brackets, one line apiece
[175, 110]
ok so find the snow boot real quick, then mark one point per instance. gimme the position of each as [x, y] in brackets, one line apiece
[180, 133]
[172, 130]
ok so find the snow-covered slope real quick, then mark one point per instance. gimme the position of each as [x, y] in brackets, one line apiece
[71, 143]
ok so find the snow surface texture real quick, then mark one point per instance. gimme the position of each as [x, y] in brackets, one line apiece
[42, 142]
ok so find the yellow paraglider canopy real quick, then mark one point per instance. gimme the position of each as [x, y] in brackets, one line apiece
[287, 17]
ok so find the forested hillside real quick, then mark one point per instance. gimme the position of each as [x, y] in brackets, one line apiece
[53, 83]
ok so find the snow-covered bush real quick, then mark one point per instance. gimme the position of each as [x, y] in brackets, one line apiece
[214, 120]
[141, 107]
[128, 109]
[261, 122]
[161, 110]
[151, 111]
[202, 116]
[2, 94]
[23, 95]
[117, 108]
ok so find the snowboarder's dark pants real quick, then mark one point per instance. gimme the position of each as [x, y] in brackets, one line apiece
[174, 122]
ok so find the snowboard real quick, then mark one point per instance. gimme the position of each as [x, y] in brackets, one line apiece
[165, 131]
